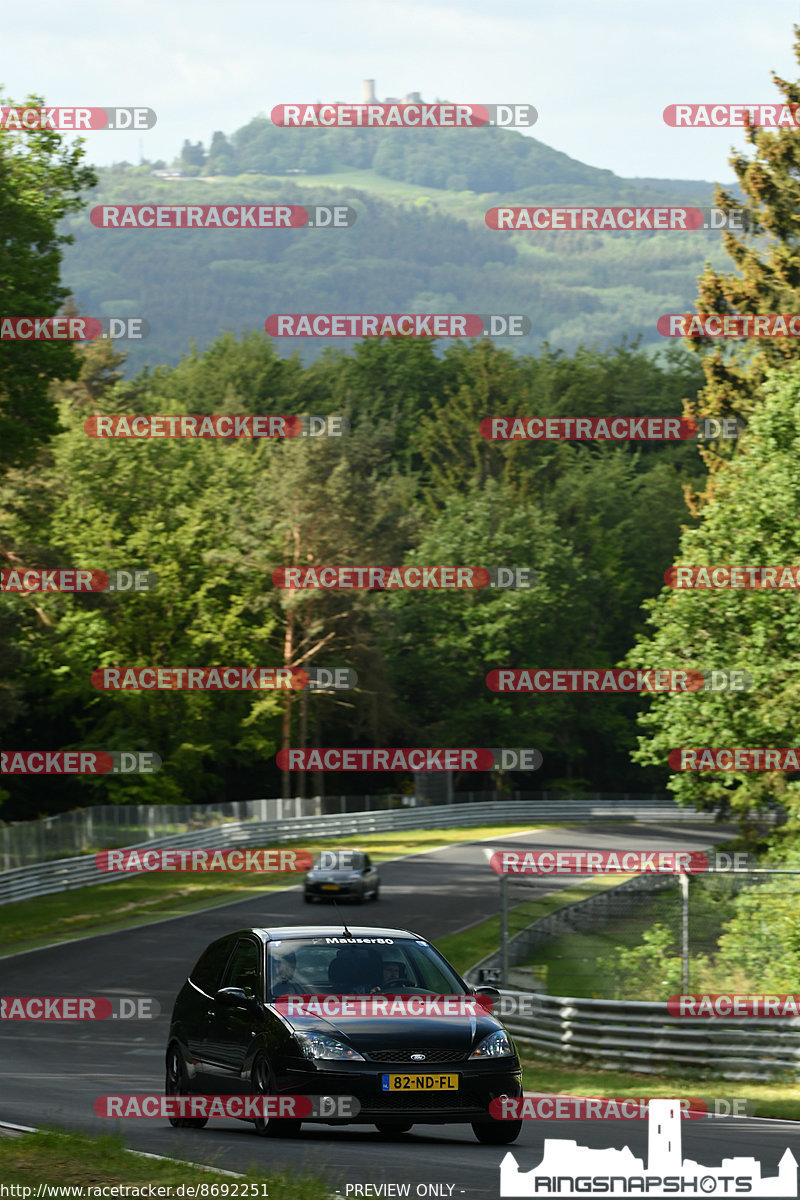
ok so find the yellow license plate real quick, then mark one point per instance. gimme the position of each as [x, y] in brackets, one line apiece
[330, 887]
[419, 1083]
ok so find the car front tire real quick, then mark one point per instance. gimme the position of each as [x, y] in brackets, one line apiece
[497, 1133]
[262, 1084]
[177, 1084]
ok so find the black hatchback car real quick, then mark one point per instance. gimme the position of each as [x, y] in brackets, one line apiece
[233, 1031]
[342, 875]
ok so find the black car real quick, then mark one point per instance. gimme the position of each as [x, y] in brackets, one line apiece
[232, 1031]
[342, 875]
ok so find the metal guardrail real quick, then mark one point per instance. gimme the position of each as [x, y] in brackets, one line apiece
[641, 1036]
[110, 826]
[42, 879]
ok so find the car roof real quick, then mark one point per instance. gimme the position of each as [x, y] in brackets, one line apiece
[338, 930]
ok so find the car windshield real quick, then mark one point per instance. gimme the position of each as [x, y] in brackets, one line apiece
[340, 965]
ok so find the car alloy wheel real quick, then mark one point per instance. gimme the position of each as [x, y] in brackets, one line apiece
[177, 1084]
[263, 1085]
[496, 1133]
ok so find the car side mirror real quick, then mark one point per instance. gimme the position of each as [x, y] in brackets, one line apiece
[233, 997]
[486, 989]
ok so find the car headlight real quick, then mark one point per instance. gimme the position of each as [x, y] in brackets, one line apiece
[318, 1045]
[496, 1045]
[354, 875]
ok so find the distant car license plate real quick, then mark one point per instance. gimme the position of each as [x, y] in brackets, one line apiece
[419, 1083]
[330, 887]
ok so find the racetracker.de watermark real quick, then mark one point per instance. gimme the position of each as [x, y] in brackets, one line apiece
[26, 118]
[222, 216]
[599, 862]
[715, 1004]
[79, 762]
[729, 325]
[609, 1108]
[402, 115]
[339, 758]
[627, 219]
[72, 579]
[729, 116]
[215, 425]
[79, 1008]
[607, 429]
[455, 325]
[547, 680]
[246, 1108]
[738, 758]
[264, 861]
[72, 329]
[223, 679]
[755, 578]
[411, 578]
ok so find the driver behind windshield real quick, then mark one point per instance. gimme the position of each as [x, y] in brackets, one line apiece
[392, 972]
[283, 981]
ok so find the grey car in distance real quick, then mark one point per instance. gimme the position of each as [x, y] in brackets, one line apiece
[342, 875]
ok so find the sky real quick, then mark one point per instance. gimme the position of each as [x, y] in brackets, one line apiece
[599, 72]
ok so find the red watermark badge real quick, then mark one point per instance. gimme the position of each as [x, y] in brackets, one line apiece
[594, 218]
[730, 1005]
[598, 862]
[727, 116]
[330, 1007]
[696, 578]
[547, 680]
[265, 861]
[734, 758]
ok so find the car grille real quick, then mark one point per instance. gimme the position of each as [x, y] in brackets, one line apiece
[404, 1056]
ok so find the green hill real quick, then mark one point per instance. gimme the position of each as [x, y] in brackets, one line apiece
[419, 244]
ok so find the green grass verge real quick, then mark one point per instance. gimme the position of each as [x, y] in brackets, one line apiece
[79, 1160]
[780, 1100]
[465, 949]
[136, 899]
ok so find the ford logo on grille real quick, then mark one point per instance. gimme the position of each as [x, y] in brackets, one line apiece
[417, 1057]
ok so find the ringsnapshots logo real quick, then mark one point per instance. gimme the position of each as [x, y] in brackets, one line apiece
[410, 578]
[242, 1108]
[729, 325]
[264, 861]
[624, 680]
[223, 679]
[222, 216]
[691, 578]
[215, 425]
[412, 325]
[79, 762]
[738, 758]
[79, 1008]
[402, 115]
[568, 1170]
[607, 429]
[71, 579]
[632, 219]
[72, 329]
[409, 759]
[731, 116]
[25, 118]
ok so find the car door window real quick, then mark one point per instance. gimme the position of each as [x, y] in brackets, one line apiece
[208, 970]
[244, 969]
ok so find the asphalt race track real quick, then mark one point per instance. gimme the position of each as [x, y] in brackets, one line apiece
[53, 1072]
